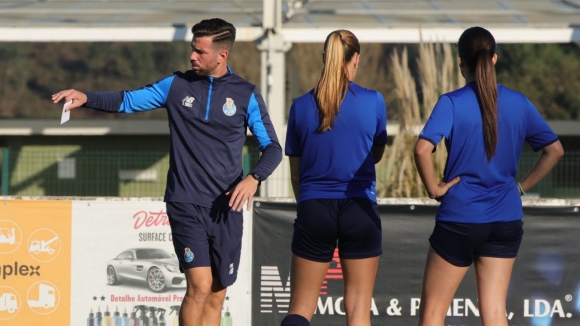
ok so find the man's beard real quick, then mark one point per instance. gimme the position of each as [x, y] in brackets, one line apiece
[206, 72]
[203, 72]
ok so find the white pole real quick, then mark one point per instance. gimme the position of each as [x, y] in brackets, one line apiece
[273, 68]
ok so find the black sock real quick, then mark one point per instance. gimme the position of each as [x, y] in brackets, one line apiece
[295, 320]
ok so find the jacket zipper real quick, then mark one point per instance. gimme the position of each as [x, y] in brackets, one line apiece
[208, 98]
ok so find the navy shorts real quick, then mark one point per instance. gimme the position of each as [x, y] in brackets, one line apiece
[205, 237]
[461, 243]
[353, 223]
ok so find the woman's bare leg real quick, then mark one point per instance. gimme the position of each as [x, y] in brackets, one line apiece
[359, 281]
[493, 280]
[440, 282]
[306, 279]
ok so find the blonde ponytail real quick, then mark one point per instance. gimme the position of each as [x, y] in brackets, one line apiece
[330, 91]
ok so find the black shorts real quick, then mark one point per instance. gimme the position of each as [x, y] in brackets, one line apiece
[353, 223]
[460, 243]
[205, 237]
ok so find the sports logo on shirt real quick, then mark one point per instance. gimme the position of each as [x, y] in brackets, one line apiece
[188, 255]
[229, 107]
[188, 101]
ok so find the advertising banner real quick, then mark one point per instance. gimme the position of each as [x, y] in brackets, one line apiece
[35, 266]
[124, 266]
[544, 290]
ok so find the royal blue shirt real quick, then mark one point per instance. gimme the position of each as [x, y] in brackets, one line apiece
[487, 191]
[338, 163]
[208, 120]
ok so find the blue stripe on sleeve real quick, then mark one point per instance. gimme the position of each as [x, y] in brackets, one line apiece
[256, 124]
[147, 98]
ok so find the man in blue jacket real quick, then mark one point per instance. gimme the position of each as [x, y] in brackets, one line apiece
[209, 109]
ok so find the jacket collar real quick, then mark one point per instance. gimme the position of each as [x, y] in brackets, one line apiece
[217, 80]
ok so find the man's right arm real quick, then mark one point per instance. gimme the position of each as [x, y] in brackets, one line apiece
[147, 98]
[104, 101]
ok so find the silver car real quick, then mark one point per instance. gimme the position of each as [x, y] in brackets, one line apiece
[157, 268]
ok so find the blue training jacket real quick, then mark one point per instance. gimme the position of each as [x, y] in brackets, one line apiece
[208, 119]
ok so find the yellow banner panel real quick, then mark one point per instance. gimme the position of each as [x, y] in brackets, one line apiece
[35, 262]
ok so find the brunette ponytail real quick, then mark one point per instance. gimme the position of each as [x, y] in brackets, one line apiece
[477, 47]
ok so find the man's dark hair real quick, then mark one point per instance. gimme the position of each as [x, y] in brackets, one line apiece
[224, 33]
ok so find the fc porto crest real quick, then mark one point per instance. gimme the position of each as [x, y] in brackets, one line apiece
[188, 255]
[229, 107]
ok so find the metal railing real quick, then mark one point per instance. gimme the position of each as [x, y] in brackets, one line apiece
[77, 172]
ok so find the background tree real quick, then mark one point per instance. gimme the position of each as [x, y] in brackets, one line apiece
[546, 73]
[31, 72]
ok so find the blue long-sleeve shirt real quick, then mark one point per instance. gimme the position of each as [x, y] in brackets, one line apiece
[208, 119]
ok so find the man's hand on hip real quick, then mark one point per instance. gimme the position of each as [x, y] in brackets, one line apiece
[244, 191]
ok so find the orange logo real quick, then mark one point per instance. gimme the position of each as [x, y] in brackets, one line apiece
[44, 245]
[10, 303]
[43, 297]
[10, 236]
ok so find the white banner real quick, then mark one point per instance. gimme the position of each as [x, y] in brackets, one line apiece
[124, 266]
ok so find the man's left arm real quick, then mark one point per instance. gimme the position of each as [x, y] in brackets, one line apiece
[261, 127]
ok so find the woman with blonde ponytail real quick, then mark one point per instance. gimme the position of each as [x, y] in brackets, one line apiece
[479, 220]
[336, 133]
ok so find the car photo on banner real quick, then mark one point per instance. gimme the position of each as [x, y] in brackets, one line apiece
[154, 268]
